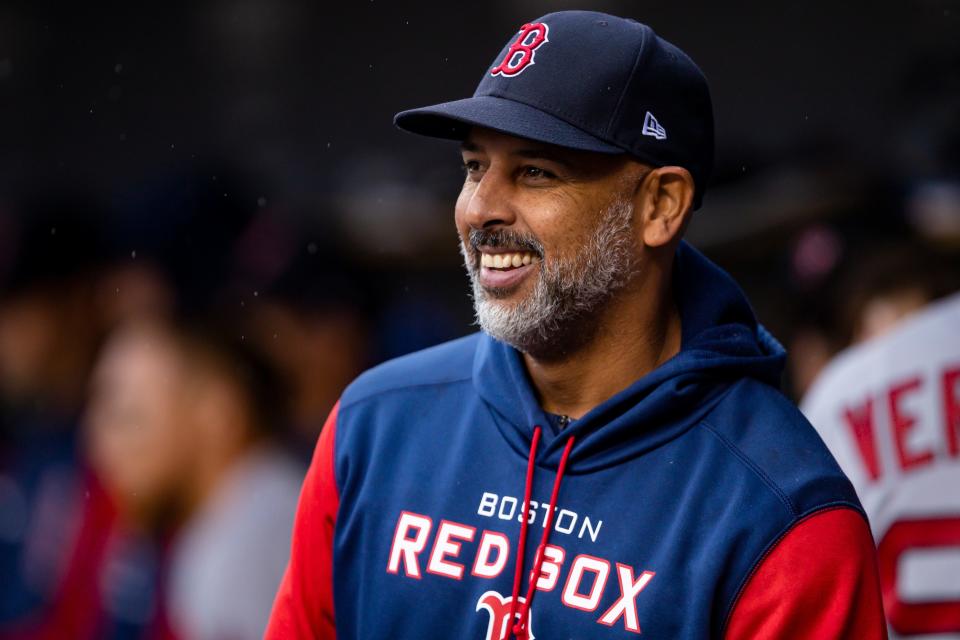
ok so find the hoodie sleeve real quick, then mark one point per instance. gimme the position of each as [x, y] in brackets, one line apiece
[819, 581]
[303, 607]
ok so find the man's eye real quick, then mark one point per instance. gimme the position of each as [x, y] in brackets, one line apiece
[536, 173]
[470, 166]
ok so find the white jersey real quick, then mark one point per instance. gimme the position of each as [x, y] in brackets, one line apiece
[889, 409]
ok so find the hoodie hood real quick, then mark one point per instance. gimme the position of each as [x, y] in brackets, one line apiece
[721, 343]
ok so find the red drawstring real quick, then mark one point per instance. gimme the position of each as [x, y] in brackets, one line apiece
[520, 628]
[522, 543]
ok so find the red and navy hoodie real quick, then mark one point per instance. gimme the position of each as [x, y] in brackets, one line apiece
[442, 502]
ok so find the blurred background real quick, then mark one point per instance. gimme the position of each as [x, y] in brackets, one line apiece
[208, 226]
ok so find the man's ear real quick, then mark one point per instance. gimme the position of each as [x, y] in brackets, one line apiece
[664, 204]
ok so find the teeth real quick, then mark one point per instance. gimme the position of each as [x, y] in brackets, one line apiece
[507, 260]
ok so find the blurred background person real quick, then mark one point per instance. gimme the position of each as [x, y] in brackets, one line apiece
[897, 279]
[49, 335]
[889, 409]
[179, 431]
[90, 548]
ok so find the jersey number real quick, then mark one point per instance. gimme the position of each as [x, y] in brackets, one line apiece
[909, 618]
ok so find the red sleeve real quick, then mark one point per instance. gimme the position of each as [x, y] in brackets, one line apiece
[820, 581]
[303, 607]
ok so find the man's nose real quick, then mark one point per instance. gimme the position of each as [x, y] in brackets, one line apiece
[490, 203]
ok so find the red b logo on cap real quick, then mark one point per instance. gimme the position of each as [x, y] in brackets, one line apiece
[520, 54]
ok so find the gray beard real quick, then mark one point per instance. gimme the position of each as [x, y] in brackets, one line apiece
[560, 314]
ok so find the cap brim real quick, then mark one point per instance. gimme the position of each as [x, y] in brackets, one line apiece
[452, 121]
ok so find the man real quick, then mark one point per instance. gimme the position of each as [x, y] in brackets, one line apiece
[610, 456]
[889, 409]
[179, 430]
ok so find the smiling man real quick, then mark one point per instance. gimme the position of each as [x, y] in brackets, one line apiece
[610, 456]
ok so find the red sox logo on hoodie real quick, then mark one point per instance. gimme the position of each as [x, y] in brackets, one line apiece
[520, 54]
[499, 609]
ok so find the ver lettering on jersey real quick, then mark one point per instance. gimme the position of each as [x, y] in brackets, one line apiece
[900, 410]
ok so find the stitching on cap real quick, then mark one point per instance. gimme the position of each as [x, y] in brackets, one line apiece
[626, 85]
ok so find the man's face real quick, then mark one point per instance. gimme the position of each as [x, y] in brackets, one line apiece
[139, 431]
[547, 236]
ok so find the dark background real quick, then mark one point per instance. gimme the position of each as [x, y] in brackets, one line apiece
[838, 129]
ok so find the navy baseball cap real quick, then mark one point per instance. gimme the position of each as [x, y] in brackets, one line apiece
[589, 81]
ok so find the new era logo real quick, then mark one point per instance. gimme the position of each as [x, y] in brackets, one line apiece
[652, 128]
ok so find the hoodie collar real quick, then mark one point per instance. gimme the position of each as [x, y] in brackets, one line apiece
[721, 342]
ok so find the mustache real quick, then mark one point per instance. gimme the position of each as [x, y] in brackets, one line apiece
[505, 239]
